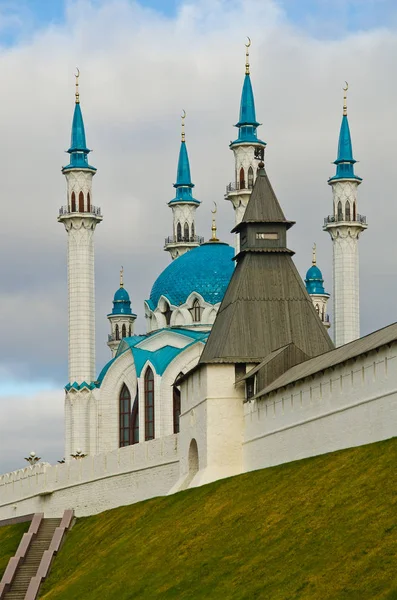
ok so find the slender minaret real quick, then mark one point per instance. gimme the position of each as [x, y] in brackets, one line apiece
[345, 226]
[183, 206]
[247, 150]
[80, 218]
[315, 288]
[121, 318]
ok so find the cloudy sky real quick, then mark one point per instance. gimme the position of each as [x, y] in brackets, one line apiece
[141, 64]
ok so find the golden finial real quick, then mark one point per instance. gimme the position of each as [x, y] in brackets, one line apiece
[122, 277]
[247, 56]
[213, 227]
[345, 98]
[314, 260]
[183, 117]
[77, 75]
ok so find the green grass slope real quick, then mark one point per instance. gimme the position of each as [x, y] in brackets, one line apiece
[321, 528]
[10, 536]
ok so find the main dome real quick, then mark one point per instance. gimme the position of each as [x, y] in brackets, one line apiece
[206, 270]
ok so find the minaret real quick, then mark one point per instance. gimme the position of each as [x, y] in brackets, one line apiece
[121, 318]
[80, 218]
[247, 150]
[315, 288]
[345, 226]
[183, 206]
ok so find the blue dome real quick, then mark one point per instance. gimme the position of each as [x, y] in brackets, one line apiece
[121, 303]
[314, 281]
[121, 295]
[206, 270]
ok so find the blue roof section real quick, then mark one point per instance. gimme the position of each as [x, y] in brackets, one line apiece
[247, 123]
[314, 281]
[122, 303]
[345, 161]
[78, 146]
[183, 183]
[206, 270]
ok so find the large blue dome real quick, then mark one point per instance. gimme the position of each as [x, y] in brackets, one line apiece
[206, 269]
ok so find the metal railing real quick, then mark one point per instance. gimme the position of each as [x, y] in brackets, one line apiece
[93, 210]
[236, 186]
[192, 239]
[340, 218]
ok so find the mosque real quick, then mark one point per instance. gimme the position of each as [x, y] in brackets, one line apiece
[237, 370]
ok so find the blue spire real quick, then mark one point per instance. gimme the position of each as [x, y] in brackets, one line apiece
[78, 147]
[121, 300]
[183, 183]
[345, 161]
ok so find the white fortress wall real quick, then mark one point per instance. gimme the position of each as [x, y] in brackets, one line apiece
[349, 405]
[93, 484]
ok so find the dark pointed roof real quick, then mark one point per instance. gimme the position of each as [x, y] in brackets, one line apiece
[266, 305]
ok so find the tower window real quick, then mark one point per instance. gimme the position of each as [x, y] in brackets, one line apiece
[354, 211]
[193, 232]
[186, 232]
[347, 210]
[81, 202]
[176, 406]
[123, 331]
[125, 416]
[129, 331]
[250, 385]
[88, 202]
[340, 211]
[117, 332]
[250, 178]
[149, 404]
[167, 313]
[179, 233]
[135, 419]
[196, 311]
[73, 202]
[242, 179]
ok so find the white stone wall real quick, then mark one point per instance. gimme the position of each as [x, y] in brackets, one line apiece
[93, 484]
[119, 320]
[80, 422]
[350, 405]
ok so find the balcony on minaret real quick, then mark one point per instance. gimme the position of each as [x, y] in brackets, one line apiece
[340, 218]
[67, 211]
[192, 239]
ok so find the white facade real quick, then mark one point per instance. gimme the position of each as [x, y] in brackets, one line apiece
[345, 227]
[121, 325]
[184, 236]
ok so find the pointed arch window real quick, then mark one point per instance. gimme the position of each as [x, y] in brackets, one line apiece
[176, 405]
[354, 211]
[242, 179]
[129, 331]
[123, 331]
[117, 332]
[186, 232]
[317, 309]
[73, 202]
[125, 416]
[347, 210]
[196, 311]
[167, 313]
[81, 202]
[340, 211]
[250, 178]
[135, 420]
[149, 404]
[179, 232]
[193, 232]
[88, 202]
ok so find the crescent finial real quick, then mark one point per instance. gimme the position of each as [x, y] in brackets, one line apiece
[345, 98]
[215, 209]
[213, 227]
[77, 75]
[247, 56]
[249, 42]
[183, 117]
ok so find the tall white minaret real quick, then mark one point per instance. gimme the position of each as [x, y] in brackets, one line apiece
[184, 206]
[345, 226]
[80, 218]
[247, 150]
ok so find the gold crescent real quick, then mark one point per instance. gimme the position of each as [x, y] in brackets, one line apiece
[346, 88]
[78, 72]
[249, 42]
[214, 211]
[183, 116]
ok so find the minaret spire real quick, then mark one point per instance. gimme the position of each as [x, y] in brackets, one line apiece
[184, 205]
[314, 260]
[315, 288]
[80, 218]
[345, 226]
[247, 148]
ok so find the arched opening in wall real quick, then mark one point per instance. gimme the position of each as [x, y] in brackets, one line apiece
[354, 211]
[81, 202]
[193, 232]
[167, 312]
[317, 309]
[123, 331]
[242, 179]
[250, 178]
[117, 332]
[135, 420]
[149, 404]
[176, 405]
[323, 313]
[186, 232]
[73, 202]
[125, 416]
[179, 232]
[196, 311]
[193, 458]
[340, 211]
[88, 202]
[347, 210]
[129, 331]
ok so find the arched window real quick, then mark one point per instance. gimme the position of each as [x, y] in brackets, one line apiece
[73, 202]
[149, 404]
[123, 331]
[317, 309]
[354, 211]
[340, 211]
[125, 416]
[88, 202]
[129, 331]
[81, 202]
[196, 311]
[186, 232]
[176, 405]
[117, 332]
[135, 420]
[250, 178]
[193, 232]
[167, 313]
[242, 179]
[347, 210]
[178, 232]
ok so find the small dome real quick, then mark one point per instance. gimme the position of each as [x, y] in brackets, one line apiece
[121, 303]
[314, 281]
[206, 270]
[121, 295]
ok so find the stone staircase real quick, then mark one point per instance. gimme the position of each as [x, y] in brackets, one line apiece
[29, 567]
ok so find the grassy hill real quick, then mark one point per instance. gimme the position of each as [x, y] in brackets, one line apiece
[10, 536]
[322, 528]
